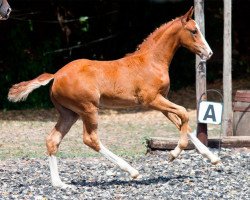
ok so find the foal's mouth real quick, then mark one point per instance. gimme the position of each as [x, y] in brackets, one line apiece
[205, 55]
[3, 18]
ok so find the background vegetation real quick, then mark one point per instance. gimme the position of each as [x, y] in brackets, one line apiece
[44, 35]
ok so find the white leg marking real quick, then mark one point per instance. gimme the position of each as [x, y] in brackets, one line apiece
[56, 181]
[176, 152]
[119, 161]
[202, 148]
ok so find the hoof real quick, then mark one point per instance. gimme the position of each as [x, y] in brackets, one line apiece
[171, 157]
[135, 174]
[216, 161]
[139, 177]
[64, 185]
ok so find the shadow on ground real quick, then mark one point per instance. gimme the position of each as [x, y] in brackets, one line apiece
[149, 181]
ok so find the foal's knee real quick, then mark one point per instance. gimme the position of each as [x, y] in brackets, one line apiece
[183, 114]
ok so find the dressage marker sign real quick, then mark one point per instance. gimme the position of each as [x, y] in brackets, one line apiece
[210, 112]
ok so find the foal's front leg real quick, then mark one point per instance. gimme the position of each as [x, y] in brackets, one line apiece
[164, 105]
[171, 110]
[91, 139]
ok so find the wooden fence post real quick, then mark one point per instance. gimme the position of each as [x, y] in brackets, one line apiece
[201, 80]
[227, 70]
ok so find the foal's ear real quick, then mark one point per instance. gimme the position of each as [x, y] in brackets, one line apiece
[185, 18]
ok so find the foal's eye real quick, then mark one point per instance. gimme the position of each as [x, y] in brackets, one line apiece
[193, 31]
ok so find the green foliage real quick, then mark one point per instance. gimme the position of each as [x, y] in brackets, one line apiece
[85, 24]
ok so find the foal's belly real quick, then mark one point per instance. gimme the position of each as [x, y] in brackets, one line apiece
[114, 102]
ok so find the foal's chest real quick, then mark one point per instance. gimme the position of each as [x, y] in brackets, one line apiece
[161, 82]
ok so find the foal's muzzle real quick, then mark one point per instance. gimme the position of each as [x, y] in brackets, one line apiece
[205, 52]
[5, 12]
[206, 56]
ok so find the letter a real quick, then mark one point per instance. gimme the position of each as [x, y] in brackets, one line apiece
[212, 115]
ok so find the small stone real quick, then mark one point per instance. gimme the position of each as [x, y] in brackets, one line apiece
[110, 173]
[187, 177]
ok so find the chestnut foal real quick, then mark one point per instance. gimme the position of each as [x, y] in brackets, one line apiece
[83, 86]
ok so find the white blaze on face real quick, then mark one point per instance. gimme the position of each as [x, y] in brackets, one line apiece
[207, 48]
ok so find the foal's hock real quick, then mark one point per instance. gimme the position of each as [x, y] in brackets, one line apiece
[141, 78]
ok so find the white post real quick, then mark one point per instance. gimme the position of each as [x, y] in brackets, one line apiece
[227, 70]
[201, 77]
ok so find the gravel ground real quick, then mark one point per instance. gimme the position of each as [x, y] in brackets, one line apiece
[188, 177]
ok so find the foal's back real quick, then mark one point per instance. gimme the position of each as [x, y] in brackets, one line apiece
[102, 83]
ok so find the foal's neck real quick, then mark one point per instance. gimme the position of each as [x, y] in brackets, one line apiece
[165, 47]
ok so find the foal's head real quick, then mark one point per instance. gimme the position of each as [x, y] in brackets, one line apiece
[192, 38]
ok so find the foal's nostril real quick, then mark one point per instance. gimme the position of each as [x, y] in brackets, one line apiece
[210, 53]
[9, 11]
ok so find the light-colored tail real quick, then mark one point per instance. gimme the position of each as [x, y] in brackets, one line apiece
[20, 91]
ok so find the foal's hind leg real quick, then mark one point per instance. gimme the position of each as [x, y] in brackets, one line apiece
[91, 139]
[66, 119]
